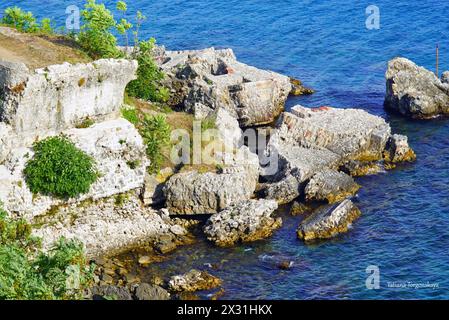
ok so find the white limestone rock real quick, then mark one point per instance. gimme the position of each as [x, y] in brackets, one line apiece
[112, 144]
[244, 221]
[214, 78]
[414, 91]
[104, 227]
[329, 221]
[49, 100]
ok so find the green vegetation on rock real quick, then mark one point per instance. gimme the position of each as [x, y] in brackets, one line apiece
[96, 36]
[156, 134]
[59, 169]
[97, 39]
[27, 273]
[147, 85]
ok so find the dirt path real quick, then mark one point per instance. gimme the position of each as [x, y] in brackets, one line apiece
[35, 51]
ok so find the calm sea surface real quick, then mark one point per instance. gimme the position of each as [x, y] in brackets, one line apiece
[404, 227]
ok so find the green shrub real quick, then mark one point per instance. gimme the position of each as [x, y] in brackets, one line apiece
[59, 169]
[131, 115]
[26, 22]
[147, 85]
[19, 19]
[46, 26]
[28, 273]
[156, 134]
[96, 36]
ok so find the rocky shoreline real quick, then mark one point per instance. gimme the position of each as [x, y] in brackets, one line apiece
[317, 153]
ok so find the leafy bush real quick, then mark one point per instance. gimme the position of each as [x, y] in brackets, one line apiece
[28, 273]
[147, 85]
[156, 134]
[25, 21]
[96, 36]
[19, 19]
[46, 26]
[58, 168]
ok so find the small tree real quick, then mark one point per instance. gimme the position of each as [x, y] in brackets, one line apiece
[19, 19]
[96, 36]
[147, 85]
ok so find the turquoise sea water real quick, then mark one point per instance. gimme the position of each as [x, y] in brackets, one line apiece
[404, 227]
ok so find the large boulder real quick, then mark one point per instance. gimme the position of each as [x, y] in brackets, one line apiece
[113, 145]
[58, 97]
[214, 78]
[331, 186]
[245, 221]
[204, 193]
[414, 91]
[328, 221]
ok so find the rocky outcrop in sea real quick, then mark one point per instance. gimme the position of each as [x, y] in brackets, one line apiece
[414, 91]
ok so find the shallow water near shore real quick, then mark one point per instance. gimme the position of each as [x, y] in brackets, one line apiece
[405, 217]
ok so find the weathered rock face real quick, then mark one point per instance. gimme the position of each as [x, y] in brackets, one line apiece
[329, 221]
[414, 91]
[214, 78]
[5, 141]
[398, 150]
[308, 141]
[349, 133]
[445, 77]
[147, 291]
[194, 280]
[106, 226]
[46, 101]
[113, 144]
[107, 291]
[245, 221]
[331, 186]
[197, 193]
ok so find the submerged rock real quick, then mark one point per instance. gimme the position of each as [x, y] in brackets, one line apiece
[414, 91]
[330, 185]
[192, 281]
[328, 221]
[299, 208]
[298, 89]
[243, 222]
[214, 78]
